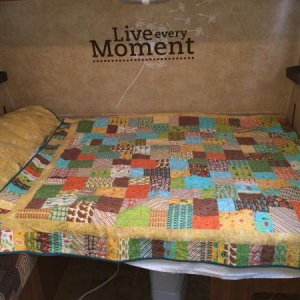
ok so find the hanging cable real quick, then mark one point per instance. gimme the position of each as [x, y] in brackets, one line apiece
[102, 284]
[131, 84]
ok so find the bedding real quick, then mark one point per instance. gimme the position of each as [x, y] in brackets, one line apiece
[188, 187]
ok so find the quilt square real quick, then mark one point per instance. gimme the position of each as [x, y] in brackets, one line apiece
[205, 207]
[109, 204]
[206, 222]
[137, 191]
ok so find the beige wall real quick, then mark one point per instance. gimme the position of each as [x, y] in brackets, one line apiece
[239, 63]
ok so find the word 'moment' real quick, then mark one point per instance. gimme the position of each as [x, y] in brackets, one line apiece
[138, 42]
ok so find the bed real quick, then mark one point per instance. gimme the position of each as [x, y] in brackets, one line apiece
[208, 194]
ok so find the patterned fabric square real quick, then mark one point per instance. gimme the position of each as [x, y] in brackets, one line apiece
[206, 222]
[263, 222]
[180, 217]
[205, 207]
[199, 170]
[74, 183]
[158, 218]
[237, 221]
[109, 204]
[81, 212]
[137, 191]
[284, 220]
[234, 155]
[188, 121]
[225, 204]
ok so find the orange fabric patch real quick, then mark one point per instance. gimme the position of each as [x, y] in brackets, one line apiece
[206, 222]
[143, 163]
[215, 156]
[32, 171]
[74, 183]
[86, 157]
[296, 206]
[137, 191]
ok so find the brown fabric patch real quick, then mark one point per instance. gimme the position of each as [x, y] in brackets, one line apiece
[140, 156]
[188, 121]
[96, 142]
[198, 154]
[234, 155]
[112, 129]
[121, 162]
[109, 204]
[250, 197]
[246, 141]
[157, 248]
[36, 203]
[70, 154]
[121, 182]
[205, 207]
[267, 255]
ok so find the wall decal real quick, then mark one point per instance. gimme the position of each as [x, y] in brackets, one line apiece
[152, 43]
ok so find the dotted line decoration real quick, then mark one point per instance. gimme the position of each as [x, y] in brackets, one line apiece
[141, 59]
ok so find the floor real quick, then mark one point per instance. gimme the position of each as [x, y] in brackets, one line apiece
[131, 283]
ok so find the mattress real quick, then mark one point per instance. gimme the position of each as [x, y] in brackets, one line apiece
[222, 190]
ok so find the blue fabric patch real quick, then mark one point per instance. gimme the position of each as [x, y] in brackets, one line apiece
[150, 135]
[217, 174]
[100, 122]
[207, 123]
[243, 187]
[226, 204]
[163, 194]
[110, 141]
[263, 222]
[13, 188]
[295, 183]
[193, 140]
[264, 175]
[178, 164]
[136, 172]
[61, 163]
[197, 182]
[271, 192]
[90, 136]
[169, 249]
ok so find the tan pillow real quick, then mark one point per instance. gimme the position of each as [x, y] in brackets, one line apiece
[21, 133]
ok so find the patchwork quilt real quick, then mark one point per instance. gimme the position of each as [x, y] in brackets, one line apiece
[186, 187]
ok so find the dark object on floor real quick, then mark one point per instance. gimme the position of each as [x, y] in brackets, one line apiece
[14, 272]
[293, 73]
[3, 76]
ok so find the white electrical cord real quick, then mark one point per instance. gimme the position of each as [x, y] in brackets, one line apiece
[131, 84]
[102, 284]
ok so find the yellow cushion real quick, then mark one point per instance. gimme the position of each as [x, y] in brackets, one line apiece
[21, 133]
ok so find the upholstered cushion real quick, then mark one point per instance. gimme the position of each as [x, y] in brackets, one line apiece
[21, 133]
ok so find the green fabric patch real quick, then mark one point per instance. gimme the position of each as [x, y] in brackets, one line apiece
[177, 183]
[242, 258]
[260, 165]
[137, 216]
[134, 248]
[181, 252]
[80, 164]
[59, 213]
[85, 126]
[48, 191]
